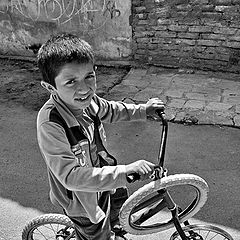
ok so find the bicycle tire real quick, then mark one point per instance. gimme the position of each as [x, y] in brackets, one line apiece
[205, 231]
[163, 183]
[43, 221]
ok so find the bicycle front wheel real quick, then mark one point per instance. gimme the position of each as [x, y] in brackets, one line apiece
[146, 212]
[49, 226]
[203, 232]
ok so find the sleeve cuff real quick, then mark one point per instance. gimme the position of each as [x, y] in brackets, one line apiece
[122, 172]
[143, 111]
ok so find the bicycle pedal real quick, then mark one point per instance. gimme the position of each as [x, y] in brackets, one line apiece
[62, 235]
[159, 172]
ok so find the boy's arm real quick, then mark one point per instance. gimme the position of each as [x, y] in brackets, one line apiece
[112, 111]
[62, 163]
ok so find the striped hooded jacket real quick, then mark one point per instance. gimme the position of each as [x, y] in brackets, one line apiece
[67, 144]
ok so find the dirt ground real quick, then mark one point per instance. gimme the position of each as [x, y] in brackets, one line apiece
[208, 151]
[20, 82]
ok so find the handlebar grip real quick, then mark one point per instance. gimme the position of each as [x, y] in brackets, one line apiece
[133, 177]
[160, 112]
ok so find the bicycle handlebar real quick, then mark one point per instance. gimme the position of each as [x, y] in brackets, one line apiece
[135, 176]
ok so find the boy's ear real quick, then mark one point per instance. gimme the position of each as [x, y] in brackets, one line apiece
[48, 86]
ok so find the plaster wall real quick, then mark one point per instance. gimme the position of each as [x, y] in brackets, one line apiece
[103, 23]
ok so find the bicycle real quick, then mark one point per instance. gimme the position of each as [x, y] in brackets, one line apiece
[162, 196]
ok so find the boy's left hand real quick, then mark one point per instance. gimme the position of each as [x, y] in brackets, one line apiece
[152, 105]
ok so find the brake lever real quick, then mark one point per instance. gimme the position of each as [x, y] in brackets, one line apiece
[133, 177]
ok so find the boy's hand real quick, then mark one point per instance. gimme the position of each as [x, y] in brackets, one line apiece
[152, 105]
[142, 167]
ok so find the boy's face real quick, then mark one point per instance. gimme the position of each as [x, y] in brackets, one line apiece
[76, 84]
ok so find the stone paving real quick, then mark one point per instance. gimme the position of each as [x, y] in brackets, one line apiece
[190, 97]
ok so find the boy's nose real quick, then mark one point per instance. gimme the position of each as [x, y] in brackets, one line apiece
[82, 88]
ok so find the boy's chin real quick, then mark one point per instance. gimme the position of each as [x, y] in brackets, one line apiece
[82, 105]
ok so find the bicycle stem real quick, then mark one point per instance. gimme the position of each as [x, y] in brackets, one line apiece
[163, 143]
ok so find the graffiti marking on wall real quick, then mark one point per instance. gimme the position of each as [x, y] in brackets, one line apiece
[93, 13]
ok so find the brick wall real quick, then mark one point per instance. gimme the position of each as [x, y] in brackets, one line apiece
[202, 34]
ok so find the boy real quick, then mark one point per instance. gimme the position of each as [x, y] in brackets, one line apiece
[82, 174]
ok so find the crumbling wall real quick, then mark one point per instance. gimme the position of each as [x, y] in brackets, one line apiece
[203, 34]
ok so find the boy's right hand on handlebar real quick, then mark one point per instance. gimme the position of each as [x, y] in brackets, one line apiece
[142, 167]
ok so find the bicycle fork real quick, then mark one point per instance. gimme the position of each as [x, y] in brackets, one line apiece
[174, 210]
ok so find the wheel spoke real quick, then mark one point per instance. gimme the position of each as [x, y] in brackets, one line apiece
[214, 236]
[208, 234]
[53, 228]
[48, 231]
[41, 234]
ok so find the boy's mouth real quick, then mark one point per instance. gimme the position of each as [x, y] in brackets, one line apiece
[82, 99]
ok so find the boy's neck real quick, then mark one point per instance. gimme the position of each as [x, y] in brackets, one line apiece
[77, 112]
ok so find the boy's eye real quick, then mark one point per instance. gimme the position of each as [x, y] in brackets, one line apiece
[90, 76]
[70, 81]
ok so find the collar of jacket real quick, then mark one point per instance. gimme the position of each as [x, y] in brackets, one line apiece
[66, 113]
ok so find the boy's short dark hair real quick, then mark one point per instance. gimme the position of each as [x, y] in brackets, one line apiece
[59, 50]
